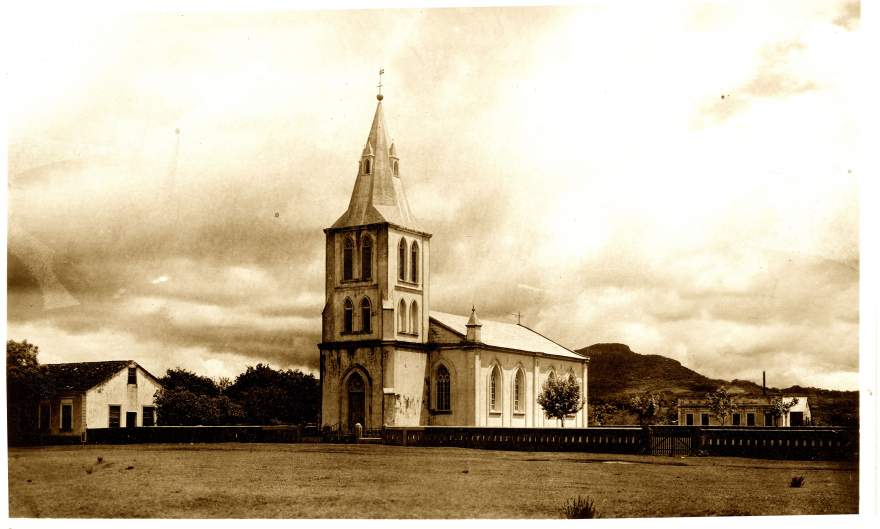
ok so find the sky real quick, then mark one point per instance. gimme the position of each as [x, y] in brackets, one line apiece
[682, 179]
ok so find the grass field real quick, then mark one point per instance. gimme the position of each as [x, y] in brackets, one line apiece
[377, 481]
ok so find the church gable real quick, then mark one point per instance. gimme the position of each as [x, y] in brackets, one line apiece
[440, 334]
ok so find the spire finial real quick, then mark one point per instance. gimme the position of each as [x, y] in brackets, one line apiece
[379, 96]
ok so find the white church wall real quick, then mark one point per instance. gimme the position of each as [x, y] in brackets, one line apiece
[410, 368]
[460, 366]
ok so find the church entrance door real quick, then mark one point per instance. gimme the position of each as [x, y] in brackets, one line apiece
[356, 402]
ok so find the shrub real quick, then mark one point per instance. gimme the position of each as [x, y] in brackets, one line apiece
[579, 508]
[797, 482]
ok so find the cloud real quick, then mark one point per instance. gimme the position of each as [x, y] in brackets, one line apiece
[172, 175]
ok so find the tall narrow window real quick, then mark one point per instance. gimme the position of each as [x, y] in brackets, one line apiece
[367, 166]
[366, 258]
[347, 259]
[443, 389]
[149, 416]
[518, 386]
[347, 316]
[366, 316]
[114, 417]
[414, 318]
[401, 317]
[414, 263]
[401, 260]
[396, 173]
[132, 375]
[495, 389]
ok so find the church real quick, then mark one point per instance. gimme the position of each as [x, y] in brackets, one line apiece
[387, 359]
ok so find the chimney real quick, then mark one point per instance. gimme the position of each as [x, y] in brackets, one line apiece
[473, 327]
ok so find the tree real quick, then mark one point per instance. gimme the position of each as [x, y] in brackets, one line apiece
[646, 406]
[721, 403]
[779, 407]
[179, 406]
[274, 397]
[179, 378]
[602, 412]
[561, 397]
[26, 385]
[187, 399]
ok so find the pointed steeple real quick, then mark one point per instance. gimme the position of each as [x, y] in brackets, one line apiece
[378, 194]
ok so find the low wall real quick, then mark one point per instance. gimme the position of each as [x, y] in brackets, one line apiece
[622, 440]
[760, 442]
[195, 434]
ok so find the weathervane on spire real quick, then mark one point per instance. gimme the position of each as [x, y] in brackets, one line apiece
[379, 95]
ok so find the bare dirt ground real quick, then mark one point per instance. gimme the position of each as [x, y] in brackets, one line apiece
[376, 481]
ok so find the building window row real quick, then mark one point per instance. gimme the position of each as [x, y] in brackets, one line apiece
[366, 316]
[408, 273]
[496, 386]
[348, 258]
[408, 321]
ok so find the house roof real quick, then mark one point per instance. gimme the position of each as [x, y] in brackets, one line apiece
[507, 335]
[82, 376]
[378, 196]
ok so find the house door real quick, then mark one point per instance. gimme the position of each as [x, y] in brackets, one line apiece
[356, 402]
[131, 419]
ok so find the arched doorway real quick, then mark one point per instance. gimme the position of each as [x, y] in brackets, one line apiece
[356, 402]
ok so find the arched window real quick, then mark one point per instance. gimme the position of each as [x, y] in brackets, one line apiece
[444, 396]
[347, 316]
[366, 316]
[519, 385]
[347, 259]
[414, 318]
[401, 317]
[495, 389]
[401, 260]
[367, 257]
[414, 263]
[552, 375]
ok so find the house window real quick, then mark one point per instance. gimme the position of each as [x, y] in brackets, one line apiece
[401, 260]
[401, 317]
[689, 419]
[347, 316]
[494, 389]
[414, 263]
[750, 419]
[518, 386]
[443, 389]
[115, 413]
[796, 418]
[366, 258]
[66, 417]
[414, 318]
[132, 375]
[43, 418]
[347, 259]
[768, 419]
[149, 416]
[734, 419]
[366, 316]
[704, 419]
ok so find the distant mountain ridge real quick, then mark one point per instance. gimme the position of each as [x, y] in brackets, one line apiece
[617, 373]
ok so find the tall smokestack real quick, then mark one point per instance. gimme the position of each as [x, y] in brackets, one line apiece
[764, 382]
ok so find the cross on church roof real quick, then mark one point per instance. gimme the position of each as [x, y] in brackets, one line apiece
[379, 96]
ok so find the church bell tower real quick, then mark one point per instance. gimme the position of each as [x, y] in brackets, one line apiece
[375, 317]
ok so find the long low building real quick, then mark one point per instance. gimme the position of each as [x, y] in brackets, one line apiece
[752, 410]
[111, 394]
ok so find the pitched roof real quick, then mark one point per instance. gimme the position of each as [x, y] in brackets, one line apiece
[81, 376]
[507, 335]
[378, 197]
